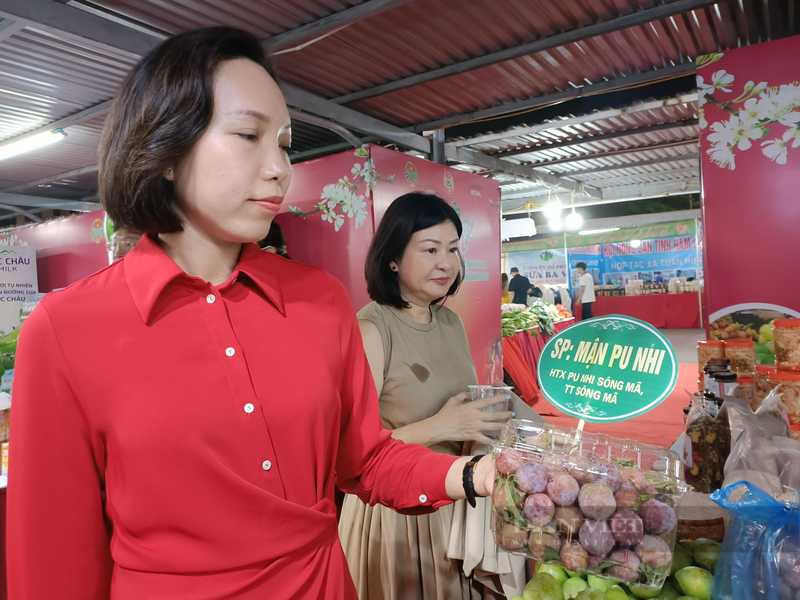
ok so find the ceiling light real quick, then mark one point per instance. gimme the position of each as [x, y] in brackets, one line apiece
[573, 220]
[636, 243]
[552, 209]
[556, 224]
[593, 231]
[31, 143]
[514, 228]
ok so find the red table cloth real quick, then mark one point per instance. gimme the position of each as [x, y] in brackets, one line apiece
[663, 311]
[531, 347]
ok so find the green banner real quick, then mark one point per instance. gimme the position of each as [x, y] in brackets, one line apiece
[626, 234]
[607, 369]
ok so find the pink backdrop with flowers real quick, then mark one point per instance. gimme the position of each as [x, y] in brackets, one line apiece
[750, 143]
[335, 204]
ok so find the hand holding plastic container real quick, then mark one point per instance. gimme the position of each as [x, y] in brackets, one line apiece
[590, 503]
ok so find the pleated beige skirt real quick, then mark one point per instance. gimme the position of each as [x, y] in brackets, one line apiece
[397, 557]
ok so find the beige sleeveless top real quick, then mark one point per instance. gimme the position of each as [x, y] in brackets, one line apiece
[424, 365]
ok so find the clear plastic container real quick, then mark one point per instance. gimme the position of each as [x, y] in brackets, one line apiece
[742, 354]
[709, 350]
[747, 391]
[588, 502]
[788, 385]
[763, 383]
[787, 344]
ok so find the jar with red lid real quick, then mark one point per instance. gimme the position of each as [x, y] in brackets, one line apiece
[742, 354]
[788, 385]
[764, 383]
[746, 391]
[709, 350]
[787, 344]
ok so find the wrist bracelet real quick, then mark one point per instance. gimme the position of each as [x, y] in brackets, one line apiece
[466, 478]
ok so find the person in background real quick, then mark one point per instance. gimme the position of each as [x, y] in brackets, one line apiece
[519, 287]
[419, 355]
[123, 240]
[585, 296]
[506, 298]
[274, 242]
[211, 473]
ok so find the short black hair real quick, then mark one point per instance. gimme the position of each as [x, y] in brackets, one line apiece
[514, 270]
[275, 239]
[163, 107]
[581, 265]
[405, 216]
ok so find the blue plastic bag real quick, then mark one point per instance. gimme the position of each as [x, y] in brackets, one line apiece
[760, 555]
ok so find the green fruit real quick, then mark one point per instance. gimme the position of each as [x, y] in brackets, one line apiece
[556, 572]
[762, 339]
[616, 593]
[696, 582]
[575, 574]
[573, 587]
[681, 558]
[687, 598]
[518, 598]
[764, 359]
[668, 592]
[765, 329]
[591, 594]
[600, 583]
[770, 347]
[760, 348]
[542, 587]
[643, 591]
[706, 553]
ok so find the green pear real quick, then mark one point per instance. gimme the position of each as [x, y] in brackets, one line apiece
[542, 587]
[615, 592]
[668, 592]
[644, 591]
[573, 587]
[600, 583]
[591, 594]
[695, 581]
[681, 558]
[558, 573]
[706, 553]
[575, 574]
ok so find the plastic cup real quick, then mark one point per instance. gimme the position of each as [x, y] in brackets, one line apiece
[479, 392]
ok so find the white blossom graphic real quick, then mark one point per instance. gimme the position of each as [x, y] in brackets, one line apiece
[343, 196]
[762, 113]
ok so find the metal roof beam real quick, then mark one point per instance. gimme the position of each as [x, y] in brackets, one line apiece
[463, 155]
[651, 190]
[603, 137]
[49, 203]
[591, 117]
[337, 20]
[640, 163]
[50, 179]
[61, 17]
[621, 151]
[570, 37]
[20, 211]
[67, 121]
[342, 132]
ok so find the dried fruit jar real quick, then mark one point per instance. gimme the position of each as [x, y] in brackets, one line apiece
[742, 354]
[787, 344]
[763, 383]
[587, 502]
[710, 350]
[788, 383]
[746, 390]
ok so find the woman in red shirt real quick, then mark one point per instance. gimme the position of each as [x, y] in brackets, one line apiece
[161, 448]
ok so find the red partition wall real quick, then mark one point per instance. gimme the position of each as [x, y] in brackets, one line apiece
[335, 203]
[750, 101]
[66, 249]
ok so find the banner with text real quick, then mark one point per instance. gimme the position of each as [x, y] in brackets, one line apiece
[607, 369]
[18, 284]
[542, 266]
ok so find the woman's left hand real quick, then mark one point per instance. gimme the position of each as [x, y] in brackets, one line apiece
[484, 476]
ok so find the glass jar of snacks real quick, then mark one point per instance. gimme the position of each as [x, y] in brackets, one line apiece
[764, 383]
[725, 382]
[587, 502]
[787, 344]
[788, 385]
[709, 350]
[742, 354]
[747, 391]
[714, 366]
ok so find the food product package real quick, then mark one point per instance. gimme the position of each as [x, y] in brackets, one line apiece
[760, 555]
[587, 502]
[707, 445]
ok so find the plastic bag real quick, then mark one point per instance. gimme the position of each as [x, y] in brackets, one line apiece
[788, 460]
[706, 446]
[760, 556]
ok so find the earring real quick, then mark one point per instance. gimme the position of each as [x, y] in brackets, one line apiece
[168, 173]
[393, 268]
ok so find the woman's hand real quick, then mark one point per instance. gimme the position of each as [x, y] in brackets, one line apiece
[483, 480]
[463, 420]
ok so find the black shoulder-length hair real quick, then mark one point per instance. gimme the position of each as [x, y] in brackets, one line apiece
[163, 107]
[405, 216]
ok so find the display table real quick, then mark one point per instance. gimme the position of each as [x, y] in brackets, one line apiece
[663, 311]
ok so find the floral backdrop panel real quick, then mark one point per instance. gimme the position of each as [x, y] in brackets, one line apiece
[749, 101]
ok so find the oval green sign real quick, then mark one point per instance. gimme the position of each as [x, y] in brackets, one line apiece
[607, 369]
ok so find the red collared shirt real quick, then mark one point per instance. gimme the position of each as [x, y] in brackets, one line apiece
[178, 440]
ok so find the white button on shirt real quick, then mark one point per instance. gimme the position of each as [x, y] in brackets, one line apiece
[423, 499]
[211, 298]
[230, 351]
[266, 465]
[248, 408]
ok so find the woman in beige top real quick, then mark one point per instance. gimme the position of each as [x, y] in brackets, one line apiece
[419, 356]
